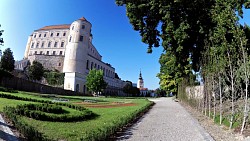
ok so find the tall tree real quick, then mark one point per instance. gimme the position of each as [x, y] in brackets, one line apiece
[7, 60]
[95, 82]
[36, 71]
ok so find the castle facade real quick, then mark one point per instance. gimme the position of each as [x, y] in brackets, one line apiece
[68, 48]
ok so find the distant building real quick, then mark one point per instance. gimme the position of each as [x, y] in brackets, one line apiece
[68, 48]
[134, 84]
[140, 85]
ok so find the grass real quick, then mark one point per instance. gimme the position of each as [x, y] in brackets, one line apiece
[109, 119]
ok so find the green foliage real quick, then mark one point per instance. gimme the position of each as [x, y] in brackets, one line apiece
[4, 73]
[1, 39]
[117, 123]
[3, 89]
[108, 122]
[56, 113]
[36, 71]
[129, 89]
[95, 81]
[7, 60]
[54, 78]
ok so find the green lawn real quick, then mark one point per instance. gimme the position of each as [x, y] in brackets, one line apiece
[109, 119]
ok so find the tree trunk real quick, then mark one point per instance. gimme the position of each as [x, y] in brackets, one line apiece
[220, 100]
[214, 100]
[246, 91]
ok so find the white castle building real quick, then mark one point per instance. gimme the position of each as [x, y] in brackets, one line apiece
[68, 48]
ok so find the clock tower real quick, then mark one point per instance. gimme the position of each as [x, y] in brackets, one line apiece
[140, 83]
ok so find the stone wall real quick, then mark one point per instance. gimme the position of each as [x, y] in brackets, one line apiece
[29, 86]
[196, 92]
[49, 62]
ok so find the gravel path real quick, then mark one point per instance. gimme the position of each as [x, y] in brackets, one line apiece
[166, 121]
[5, 133]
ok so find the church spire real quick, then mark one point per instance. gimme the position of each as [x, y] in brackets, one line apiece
[140, 77]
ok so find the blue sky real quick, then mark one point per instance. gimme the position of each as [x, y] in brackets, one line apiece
[114, 37]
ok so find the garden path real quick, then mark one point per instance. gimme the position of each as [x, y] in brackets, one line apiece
[5, 133]
[166, 121]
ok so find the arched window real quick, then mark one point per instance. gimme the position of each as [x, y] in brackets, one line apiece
[51, 35]
[55, 44]
[84, 89]
[87, 65]
[42, 44]
[91, 65]
[49, 44]
[77, 87]
[37, 44]
[70, 38]
[95, 66]
[72, 27]
[32, 45]
[62, 44]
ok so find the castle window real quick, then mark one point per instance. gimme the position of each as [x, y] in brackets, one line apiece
[44, 35]
[37, 44]
[39, 35]
[83, 26]
[62, 44]
[55, 45]
[35, 36]
[59, 64]
[54, 52]
[72, 27]
[64, 34]
[35, 52]
[70, 38]
[87, 65]
[77, 87]
[95, 66]
[32, 45]
[61, 53]
[47, 53]
[49, 44]
[91, 65]
[41, 52]
[42, 44]
[51, 35]
[81, 38]
[57, 34]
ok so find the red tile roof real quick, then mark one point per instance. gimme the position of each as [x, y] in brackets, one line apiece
[63, 26]
[143, 89]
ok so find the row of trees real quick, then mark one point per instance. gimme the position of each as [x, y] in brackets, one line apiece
[202, 36]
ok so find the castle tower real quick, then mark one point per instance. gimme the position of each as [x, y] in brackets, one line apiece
[140, 83]
[76, 55]
[27, 47]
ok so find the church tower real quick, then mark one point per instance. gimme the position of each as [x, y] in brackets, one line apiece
[140, 83]
[76, 55]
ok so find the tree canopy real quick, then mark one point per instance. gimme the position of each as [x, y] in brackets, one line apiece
[184, 28]
[36, 71]
[95, 81]
[7, 60]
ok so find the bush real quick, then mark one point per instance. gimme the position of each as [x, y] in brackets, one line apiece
[10, 90]
[56, 113]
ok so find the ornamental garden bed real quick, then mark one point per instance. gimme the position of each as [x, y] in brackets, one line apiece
[103, 123]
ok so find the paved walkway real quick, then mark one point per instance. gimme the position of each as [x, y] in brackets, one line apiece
[166, 121]
[5, 133]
